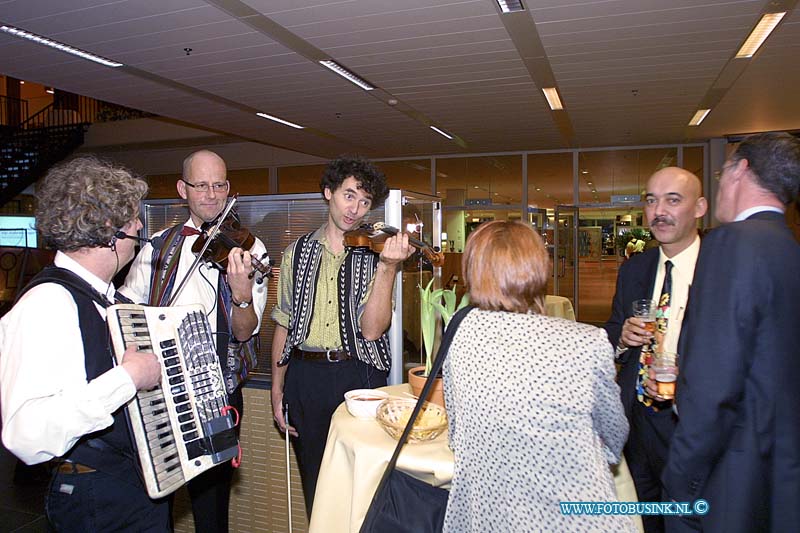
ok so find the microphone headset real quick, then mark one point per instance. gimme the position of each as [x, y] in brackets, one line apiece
[156, 242]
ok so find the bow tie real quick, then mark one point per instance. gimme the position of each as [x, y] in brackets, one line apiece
[188, 231]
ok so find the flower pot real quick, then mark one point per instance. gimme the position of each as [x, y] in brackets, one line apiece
[417, 378]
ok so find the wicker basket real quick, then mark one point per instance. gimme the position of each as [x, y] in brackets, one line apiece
[393, 414]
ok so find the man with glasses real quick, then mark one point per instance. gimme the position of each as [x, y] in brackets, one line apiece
[234, 305]
[737, 442]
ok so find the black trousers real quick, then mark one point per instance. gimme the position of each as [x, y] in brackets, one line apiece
[313, 390]
[210, 491]
[646, 453]
[97, 501]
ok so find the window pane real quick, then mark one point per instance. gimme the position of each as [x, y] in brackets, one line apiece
[693, 160]
[605, 174]
[300, 179]
[485, 181]
[549, 180]
[414, 175]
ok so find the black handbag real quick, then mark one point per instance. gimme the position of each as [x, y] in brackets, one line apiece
[404, 504]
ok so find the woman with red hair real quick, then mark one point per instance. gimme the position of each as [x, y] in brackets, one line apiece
[534, 412]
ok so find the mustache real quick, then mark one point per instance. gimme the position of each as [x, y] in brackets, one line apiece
[662, 220]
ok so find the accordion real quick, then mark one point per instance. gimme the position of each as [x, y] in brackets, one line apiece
[182, 427]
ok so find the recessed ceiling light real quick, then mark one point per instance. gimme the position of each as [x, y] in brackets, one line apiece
[281, 121]
[553, 100]
[22, 34]
[699, 117]
[588, 183]
[346, 74]
[584, 171]
[538, 188]
[510, 6]
[759, 34]
[441, 132]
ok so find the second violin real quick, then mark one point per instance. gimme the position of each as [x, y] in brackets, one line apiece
[373, 236]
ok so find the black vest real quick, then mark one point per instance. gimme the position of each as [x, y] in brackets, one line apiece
[109, 450]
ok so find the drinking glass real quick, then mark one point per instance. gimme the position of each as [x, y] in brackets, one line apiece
[665, 366]
[646, 311]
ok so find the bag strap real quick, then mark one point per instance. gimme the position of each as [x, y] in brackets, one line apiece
[447, 339]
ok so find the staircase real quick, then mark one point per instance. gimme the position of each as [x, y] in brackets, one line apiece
[28, 150]
[26, 154]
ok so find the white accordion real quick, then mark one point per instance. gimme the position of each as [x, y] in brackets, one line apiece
[181, 428]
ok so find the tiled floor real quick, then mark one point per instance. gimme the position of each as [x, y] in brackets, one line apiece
[21, 499]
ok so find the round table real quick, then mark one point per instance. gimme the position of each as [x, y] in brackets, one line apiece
[356, 454]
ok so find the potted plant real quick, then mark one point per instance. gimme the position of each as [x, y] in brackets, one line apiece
[433, 304]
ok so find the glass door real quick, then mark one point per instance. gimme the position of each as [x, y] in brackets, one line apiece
[565, 254]
[539, 221]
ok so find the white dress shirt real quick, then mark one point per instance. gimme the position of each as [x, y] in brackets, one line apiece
[744, 215]
[682, 276]
[47, 403]
[202, 285]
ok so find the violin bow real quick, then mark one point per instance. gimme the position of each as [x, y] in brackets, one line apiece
[211, 234]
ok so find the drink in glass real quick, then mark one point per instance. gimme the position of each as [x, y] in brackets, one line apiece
[665, 366]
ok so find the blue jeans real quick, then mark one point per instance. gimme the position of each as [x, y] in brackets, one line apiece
[96, 501]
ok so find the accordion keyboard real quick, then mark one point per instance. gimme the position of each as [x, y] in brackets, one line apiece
[180, 427]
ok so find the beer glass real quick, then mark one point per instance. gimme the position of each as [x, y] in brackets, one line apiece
[665, 367]
[645, 310]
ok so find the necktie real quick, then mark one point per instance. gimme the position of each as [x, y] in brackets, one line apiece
[662, 318]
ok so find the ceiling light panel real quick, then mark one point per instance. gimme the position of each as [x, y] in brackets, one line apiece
[699, 117]
[510, 6]
[553, 100]
[346, 74]
[759, 34]
[22, 34]
[442, 132]
[280, 121]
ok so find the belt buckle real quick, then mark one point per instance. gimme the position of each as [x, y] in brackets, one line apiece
[328, 356]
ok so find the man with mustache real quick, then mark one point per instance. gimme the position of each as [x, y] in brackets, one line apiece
[673, 203]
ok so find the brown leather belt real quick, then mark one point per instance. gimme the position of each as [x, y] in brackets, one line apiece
[330, 356]
[67, 467]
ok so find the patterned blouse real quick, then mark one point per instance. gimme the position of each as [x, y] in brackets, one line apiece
[535, 419]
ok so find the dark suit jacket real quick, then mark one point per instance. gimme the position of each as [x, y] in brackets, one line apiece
[635, 281]
[737, 442]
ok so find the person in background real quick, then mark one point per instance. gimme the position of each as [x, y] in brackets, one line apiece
[334, 308]
[737, 442]
[533, 410]
[673, 203]
[62, 392]
[233, 301]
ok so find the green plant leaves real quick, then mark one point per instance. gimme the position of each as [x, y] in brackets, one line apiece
[430, 303]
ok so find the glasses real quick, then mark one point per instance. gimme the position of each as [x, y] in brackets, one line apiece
[204, 187]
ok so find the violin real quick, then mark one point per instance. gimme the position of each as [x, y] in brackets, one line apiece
[230, 235]
[373, 236]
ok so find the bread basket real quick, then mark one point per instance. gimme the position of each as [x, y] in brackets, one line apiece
[393, 415]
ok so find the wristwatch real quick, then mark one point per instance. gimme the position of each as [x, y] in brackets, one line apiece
[242, 305]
